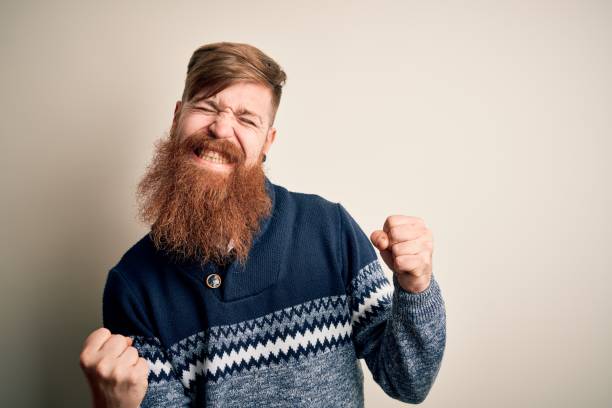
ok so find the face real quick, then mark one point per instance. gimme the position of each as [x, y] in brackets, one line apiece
[205, 188]
[239, 116]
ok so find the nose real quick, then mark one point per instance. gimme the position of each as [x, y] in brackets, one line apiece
[223, 125]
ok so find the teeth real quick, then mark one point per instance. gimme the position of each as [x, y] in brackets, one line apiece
[213, 157]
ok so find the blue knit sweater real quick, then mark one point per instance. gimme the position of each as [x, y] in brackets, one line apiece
[285, 330]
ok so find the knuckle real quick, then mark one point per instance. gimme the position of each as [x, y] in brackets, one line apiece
[398, 263]
[96, 335]
[85, 359]
[414, 220]
[102, 370]
[135, 377]
[117, 374]
[132, 378]
[392, 232]
[144, 363]
[118, 340]
[103, 331]
[99, 334]
[132, 354]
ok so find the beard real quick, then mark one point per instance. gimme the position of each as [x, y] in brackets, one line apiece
[195, 212]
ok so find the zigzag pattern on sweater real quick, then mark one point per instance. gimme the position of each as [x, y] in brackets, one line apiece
[371, 293]
[151, 349]
[279, 337]
[289, 334]
[285, 321]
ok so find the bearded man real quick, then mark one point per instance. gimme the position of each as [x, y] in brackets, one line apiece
[246, 294]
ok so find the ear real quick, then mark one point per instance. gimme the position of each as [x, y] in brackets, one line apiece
[270, 136]
[177, 113]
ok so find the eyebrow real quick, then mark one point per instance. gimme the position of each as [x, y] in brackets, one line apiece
[240, 110]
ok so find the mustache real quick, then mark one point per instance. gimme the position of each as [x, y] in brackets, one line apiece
[201, 140]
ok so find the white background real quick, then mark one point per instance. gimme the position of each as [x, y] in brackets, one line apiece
[489, 120]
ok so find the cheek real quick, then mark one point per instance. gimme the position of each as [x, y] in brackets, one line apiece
[192, 123]
[251, 145]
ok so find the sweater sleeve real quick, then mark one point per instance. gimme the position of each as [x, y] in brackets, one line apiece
[400, 335]
[123, 313]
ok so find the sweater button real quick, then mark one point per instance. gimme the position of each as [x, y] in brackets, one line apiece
[213, 281]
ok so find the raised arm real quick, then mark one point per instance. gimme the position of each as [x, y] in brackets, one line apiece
[400, 335]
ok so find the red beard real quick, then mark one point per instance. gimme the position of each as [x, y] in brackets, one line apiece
[194, 212]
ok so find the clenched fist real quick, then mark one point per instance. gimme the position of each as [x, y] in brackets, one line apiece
[406, 245]
[116, 374]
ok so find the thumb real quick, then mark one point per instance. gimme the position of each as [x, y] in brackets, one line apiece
[380, 239]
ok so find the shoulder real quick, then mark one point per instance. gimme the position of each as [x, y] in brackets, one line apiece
[123, 307]
[304, 204]
[140, 259]
[141, 250]
[315, 211]
[141, 273]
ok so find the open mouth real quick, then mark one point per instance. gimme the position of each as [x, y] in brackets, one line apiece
[211, 156]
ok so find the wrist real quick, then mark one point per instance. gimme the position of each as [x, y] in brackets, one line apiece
[419, 307]
[413, 284]
[98, 398]
[98, 401]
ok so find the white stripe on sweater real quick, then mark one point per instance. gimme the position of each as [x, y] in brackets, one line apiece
[373, 300]
[158, 366]
[260, 350]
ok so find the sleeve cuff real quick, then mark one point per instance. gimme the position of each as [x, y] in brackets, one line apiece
[419, 307]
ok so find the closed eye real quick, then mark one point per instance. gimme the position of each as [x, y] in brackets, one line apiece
[248, 121]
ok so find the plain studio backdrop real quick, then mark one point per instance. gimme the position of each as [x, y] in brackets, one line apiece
[489, 120]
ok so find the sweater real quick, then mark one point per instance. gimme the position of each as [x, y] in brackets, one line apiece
[286, 329]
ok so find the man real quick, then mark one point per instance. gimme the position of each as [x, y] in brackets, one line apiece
[246, 294]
